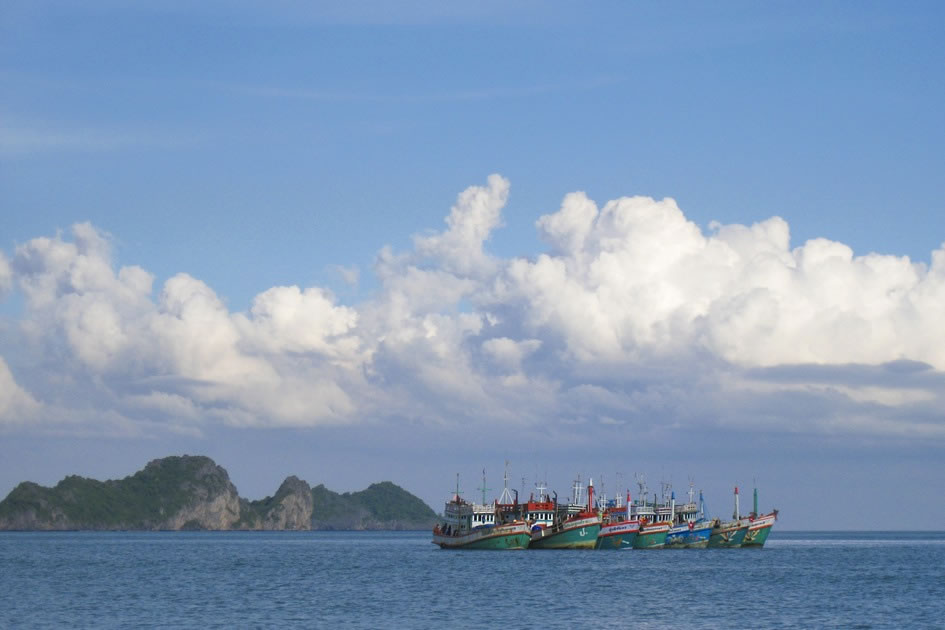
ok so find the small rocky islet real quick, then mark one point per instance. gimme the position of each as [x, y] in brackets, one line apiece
[192, 492]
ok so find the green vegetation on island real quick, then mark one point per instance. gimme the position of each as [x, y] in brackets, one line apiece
[381, 506]
[193, 492]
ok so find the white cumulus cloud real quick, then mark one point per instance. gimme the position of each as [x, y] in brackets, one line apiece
[634, 319]
[6, 275]
[637, 278]
[477, 212]
[17, 406]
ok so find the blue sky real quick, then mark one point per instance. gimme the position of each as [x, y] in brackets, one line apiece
[365, 241]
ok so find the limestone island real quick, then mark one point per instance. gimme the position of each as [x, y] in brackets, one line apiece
[191, 492]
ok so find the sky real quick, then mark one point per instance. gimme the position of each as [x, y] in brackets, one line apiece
[366, 241]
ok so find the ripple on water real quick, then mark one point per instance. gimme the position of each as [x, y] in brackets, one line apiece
[395, 580]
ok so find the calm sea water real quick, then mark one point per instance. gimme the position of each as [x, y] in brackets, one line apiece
[400, 580]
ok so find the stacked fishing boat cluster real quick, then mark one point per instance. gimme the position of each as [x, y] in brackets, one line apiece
[589, 522]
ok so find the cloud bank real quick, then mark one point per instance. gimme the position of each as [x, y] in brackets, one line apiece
[634, 318]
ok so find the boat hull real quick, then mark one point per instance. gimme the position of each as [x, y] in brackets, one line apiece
[682, 537]
[617, 535]
[579, 534]
[503, 537]
[651, 536]
[728, 535]
[758, 531]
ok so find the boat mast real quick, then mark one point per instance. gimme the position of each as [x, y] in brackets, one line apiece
[578, 490]
[541, 487]
[641, 483]
[735, 516]
[664, 486]
[754, 510]
[506, 498]
[484, 489]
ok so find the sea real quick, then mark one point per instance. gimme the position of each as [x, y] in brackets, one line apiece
[401, 580]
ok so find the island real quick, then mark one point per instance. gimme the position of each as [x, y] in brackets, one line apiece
[192, 492]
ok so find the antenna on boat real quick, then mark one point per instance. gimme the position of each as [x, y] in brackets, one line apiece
[484, 489]
[665, 486]
[578, 490]
[457, 488]
[541, 487]
[617, 490]
[641, 482]
[506, 498]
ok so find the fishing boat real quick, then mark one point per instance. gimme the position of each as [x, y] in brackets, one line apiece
[651, 535]
[655, 519]
[478, 526]
[729, 534]
[691, 529]
[617, 529]
[574, 526]
[539, 511]
[759, 526]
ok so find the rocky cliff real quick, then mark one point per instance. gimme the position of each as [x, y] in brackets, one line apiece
[289, 508]
[192, 492]
[187, 492]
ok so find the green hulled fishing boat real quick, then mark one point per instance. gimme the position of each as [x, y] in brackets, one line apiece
[729, 533]
[759, 526]
[651, 535]
[511, 536]
[653, 525]
[618, 529]
[573, 527]
[478, 526]
[758, 530]
[578, 532]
